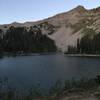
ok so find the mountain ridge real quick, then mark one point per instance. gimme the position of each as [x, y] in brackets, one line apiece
[65, 28]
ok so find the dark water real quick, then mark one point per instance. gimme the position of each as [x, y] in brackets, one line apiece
[24, 71]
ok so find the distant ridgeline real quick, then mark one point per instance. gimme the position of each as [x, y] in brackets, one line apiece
[22, 40]
[88, 44]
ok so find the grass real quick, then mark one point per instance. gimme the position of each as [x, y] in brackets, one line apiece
[81, 86]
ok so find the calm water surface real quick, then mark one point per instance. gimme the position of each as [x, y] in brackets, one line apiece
[24, 71]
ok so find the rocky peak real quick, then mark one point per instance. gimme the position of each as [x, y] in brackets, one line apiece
[65, 28]
[79, 9]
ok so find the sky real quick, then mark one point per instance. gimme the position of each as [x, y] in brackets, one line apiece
[33, 10]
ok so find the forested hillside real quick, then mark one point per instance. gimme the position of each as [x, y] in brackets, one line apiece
[20, 40]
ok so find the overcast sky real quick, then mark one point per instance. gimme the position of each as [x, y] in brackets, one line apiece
[32, 10]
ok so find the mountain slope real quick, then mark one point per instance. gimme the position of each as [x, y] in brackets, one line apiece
[66, 28]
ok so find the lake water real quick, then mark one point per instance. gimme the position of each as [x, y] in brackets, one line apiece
[24, 71]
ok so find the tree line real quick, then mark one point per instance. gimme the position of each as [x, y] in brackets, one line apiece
[87, 45]
[21, 40]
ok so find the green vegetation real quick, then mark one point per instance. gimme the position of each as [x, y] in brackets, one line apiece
[88, 44]
[18, 40]
[8, 92]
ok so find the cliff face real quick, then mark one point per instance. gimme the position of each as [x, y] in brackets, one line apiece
[66, 28]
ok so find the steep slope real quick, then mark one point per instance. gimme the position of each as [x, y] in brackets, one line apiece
[66, 28]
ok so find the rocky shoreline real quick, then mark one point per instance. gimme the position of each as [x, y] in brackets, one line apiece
[83, 55]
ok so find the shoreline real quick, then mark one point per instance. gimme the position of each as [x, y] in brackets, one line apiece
[83, 55]
[49, 53]
[26, 54]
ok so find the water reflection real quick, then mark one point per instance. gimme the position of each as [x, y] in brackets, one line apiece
[47, 69]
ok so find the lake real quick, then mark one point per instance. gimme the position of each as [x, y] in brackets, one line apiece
[24, 71]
